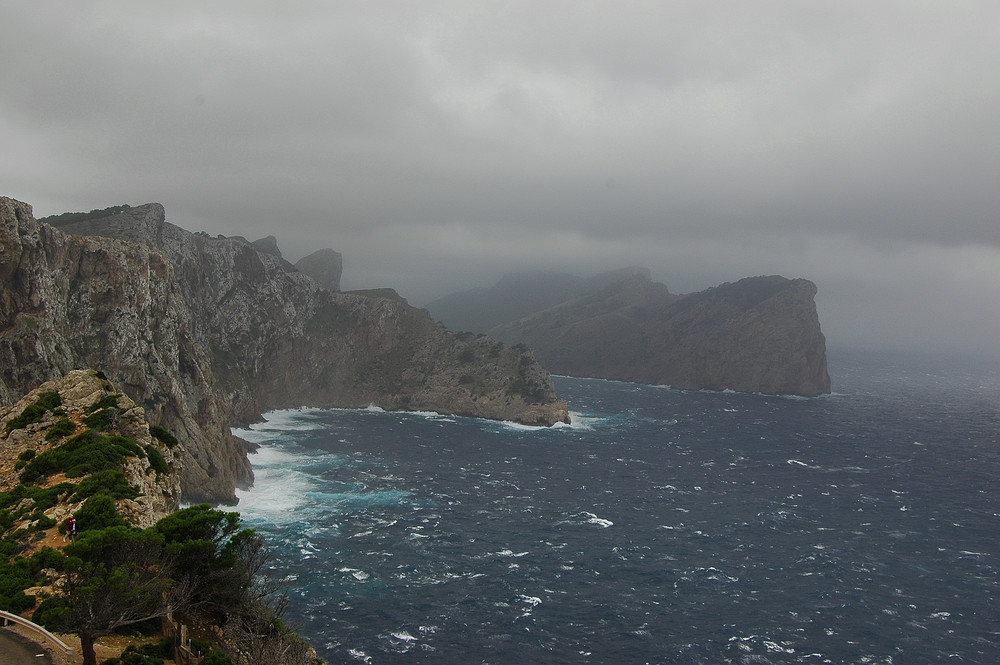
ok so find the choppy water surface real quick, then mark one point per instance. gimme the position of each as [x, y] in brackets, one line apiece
[663, 526]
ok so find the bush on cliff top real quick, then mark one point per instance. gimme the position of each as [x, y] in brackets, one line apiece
[109, 481]
[85, 453]
[101, 420]
[34, 413]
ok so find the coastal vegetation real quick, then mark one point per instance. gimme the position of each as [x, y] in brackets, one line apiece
[197, 566]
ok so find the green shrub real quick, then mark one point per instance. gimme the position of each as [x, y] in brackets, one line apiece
[163, 436]
[133, 655]
[147, 654]
[13, 543]
[216, 658]
[49, 400]
[63, 427]
[47, 497]
[49, 612]
[32, 413]
[108, 481]
[43, 523]
[98, 512]
[21, 573]
[46, 558]
[156, 461]
[27, 455]
[101, 420]
[14, 579]
[106, 402]
[85, 453]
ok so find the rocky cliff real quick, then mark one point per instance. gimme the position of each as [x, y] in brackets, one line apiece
[325, 266]
[760, 334]
[209, 332]
[84, 401]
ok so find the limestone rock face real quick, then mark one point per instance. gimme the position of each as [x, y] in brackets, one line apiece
[267, 245]
[80, 390]
[205, 333]
[325, 266]
[760, 334]
[86, 301]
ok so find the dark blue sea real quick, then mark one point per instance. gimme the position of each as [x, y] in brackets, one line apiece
[662, 526]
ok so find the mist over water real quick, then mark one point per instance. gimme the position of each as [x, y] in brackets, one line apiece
[663, 526]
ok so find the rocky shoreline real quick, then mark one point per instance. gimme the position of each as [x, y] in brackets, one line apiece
[207, 333]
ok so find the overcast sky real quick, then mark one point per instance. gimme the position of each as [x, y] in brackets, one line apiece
[438, 145]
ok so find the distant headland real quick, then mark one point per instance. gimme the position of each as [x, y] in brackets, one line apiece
[760, 334]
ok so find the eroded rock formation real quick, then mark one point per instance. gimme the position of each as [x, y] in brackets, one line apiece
[81, 393]
[760, 334]
[207, 332]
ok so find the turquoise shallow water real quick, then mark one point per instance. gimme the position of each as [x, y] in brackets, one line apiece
[663, 526]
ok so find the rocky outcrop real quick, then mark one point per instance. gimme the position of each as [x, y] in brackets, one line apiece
[81, 393]
[209, 332]
[267, 245]
[325, 266]
[760, 334]
[72, 301]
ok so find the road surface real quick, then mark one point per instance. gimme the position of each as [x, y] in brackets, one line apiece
[17, 650]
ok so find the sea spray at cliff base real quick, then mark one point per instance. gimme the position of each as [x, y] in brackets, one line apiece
[663, 526]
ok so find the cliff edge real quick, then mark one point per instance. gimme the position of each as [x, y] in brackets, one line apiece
[205, 333]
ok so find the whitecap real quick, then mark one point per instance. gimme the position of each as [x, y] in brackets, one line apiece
[599, 521]
[358, 654]
[403, 636]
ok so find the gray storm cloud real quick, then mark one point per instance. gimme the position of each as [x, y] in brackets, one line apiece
[438, 145]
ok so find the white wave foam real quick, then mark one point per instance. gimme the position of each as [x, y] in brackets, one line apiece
[283, 420]
[510, 424]
[600, 521]
[579, 421]
[276, 494]
[358, 654]
[588, 518]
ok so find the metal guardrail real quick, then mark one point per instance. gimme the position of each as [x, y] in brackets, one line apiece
[7, 616]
